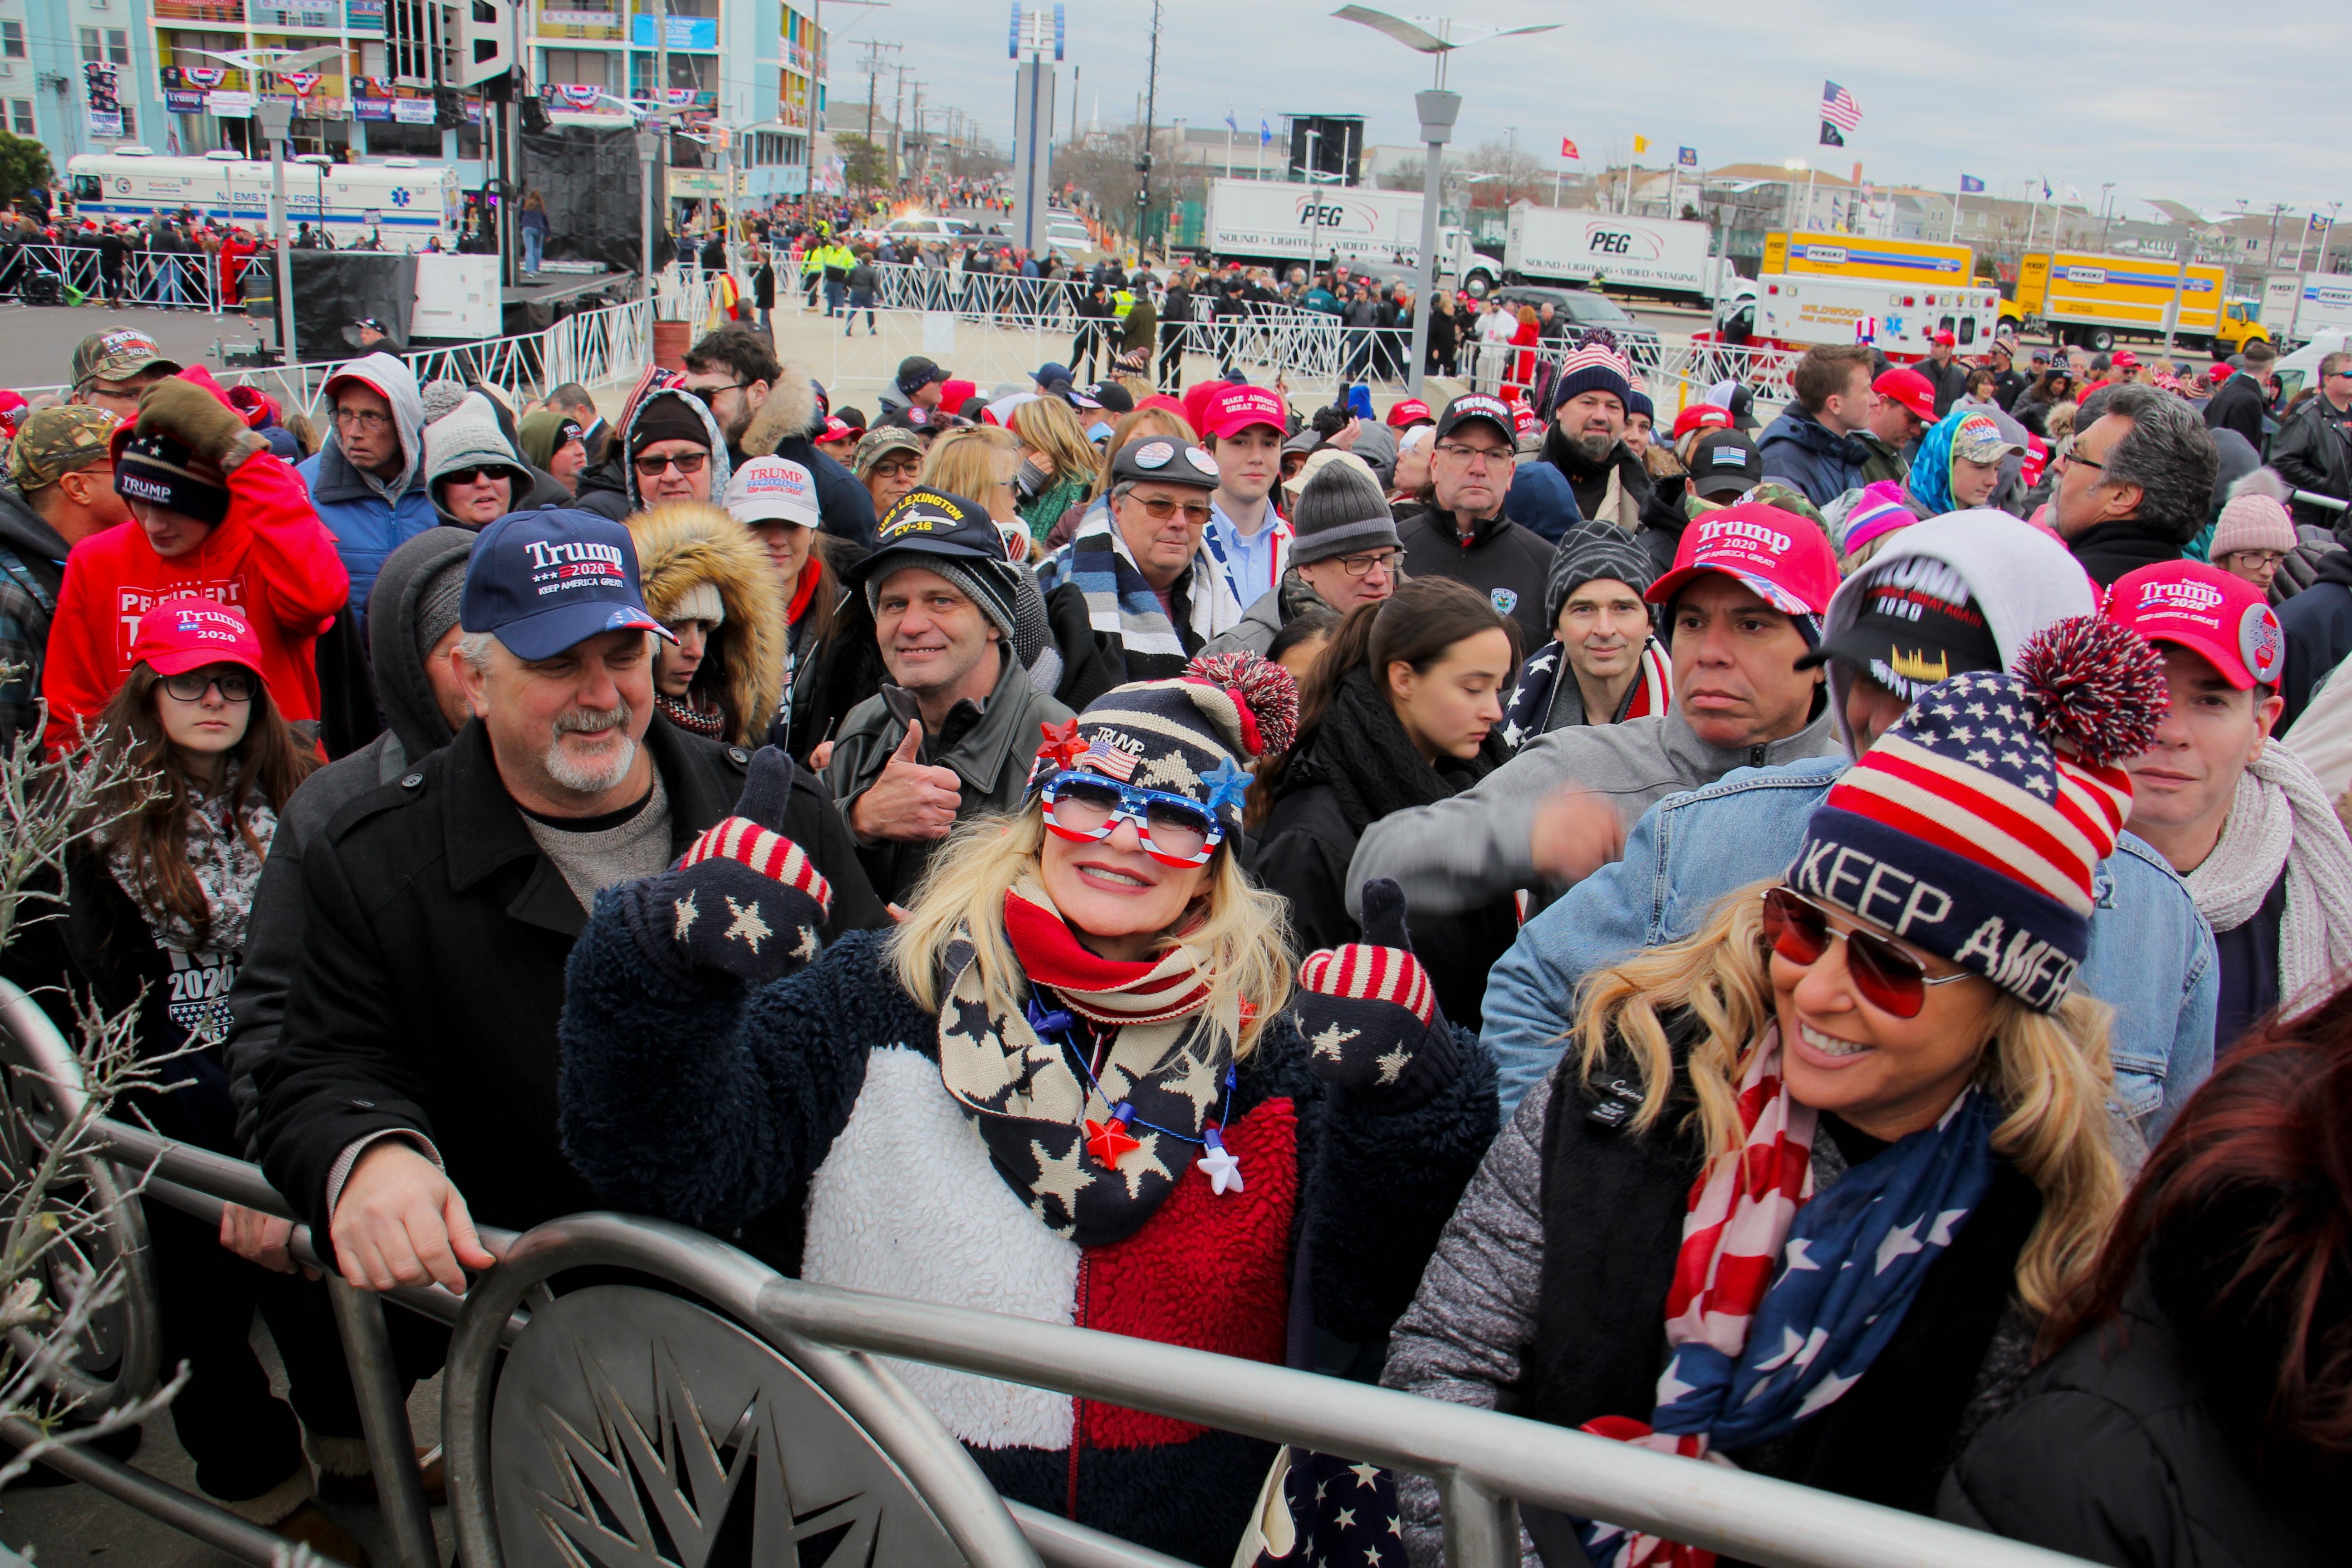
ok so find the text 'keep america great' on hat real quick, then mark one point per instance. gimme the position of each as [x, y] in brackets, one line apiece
[541, 582]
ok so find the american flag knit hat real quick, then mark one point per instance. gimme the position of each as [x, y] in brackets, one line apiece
[1971, 829]
[1192, 736]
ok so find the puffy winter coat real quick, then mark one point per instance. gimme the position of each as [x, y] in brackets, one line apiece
[785, 426]
[369, 515]
[682, 544]
[1799, 450]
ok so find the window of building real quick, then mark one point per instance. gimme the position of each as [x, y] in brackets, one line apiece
[20, 117]
[587, 67]
[129, 120]
[387, 139]
[11, 40]
[90, 53]
[118, 46]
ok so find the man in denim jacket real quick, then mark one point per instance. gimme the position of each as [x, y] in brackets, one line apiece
[1959, 593]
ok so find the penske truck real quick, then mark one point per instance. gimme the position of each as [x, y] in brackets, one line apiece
[1273, 222]
[2299, 306]
[1650, 255]
[1814, 289]
[2095, 302]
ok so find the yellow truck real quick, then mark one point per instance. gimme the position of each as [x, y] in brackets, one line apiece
[1850, 287]
[2095, 301]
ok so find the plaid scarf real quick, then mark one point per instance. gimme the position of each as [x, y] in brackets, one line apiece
[1159, 1050]
[1780, 1301]
[1122, 606]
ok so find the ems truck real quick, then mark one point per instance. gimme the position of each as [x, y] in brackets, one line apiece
[2299, 306]
[400, 202]
[2095, 302]
[1650, 255]
[1814, 289]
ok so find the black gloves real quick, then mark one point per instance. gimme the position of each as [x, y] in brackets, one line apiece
[1369, 1015]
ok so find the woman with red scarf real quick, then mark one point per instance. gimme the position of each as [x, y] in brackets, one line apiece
[1073, 1084]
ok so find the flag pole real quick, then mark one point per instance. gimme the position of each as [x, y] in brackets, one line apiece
[1810, 173]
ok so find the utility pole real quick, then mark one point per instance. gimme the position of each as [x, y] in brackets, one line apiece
[899, 124]
[1510, 151]
[1143, 162]
[1074, 72]
[874, 49]
[2106, 216]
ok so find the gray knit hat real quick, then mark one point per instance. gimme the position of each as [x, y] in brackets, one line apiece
[1341, 511]
[467, 436]
[437, 601]
[1590, 551]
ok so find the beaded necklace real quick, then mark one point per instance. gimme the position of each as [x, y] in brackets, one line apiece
[1108, 1141]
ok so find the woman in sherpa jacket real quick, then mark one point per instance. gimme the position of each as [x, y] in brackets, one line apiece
[1072, 1086]
[708, 579]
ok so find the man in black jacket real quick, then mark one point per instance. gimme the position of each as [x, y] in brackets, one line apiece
[771, 409]
[413, 1077]
[1461, 531]
[2136, 485]
[2238, 405]
[2313, 450]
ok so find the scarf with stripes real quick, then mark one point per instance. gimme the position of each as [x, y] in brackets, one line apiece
[1152, 1041]
[1122, 608]
[1780, 1301]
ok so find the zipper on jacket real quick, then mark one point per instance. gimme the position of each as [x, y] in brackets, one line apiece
[1078, 1405]
[1756, 755]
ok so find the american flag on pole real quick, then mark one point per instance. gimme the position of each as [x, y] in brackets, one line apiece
[1839, 108]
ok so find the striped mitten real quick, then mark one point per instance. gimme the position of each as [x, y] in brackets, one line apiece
[1369, 1015]
[743, 900]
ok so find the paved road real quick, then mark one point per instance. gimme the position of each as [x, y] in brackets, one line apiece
[41, 339]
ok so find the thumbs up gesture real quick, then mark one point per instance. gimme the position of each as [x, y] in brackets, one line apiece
[743, 901]
[908, 801]
[1370, 1015]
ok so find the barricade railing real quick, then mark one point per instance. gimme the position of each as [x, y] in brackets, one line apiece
[172, 278]
[597, 1416]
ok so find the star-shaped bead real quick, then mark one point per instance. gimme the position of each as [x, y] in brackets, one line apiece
[1062, 748]
[1223, 1171]
[1108, 1141]
[1227, 785]
[686, 913]
[749, 927]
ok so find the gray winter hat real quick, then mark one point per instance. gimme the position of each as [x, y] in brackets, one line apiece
[1341, 511]
[1590, 551]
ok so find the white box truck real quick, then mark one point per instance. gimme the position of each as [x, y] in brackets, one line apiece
[1273, 222]
[2299, 306]
[1653, 255]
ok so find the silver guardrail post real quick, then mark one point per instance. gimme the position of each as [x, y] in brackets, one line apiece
[383, 1417]
[1482, 1529]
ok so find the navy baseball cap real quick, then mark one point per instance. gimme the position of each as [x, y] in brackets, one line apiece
[541, 582]
[931, 523]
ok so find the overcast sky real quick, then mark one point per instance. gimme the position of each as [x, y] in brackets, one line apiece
[2205, 102]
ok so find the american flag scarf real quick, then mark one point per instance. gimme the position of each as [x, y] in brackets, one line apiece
[1780, 1302]
[1166, 1057]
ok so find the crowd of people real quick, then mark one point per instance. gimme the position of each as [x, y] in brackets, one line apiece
[1821, 951]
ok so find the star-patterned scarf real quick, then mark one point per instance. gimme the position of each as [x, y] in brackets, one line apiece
[1781, 1300]
[1167, 1058]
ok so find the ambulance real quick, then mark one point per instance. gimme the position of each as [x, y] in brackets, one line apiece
[1814, 289]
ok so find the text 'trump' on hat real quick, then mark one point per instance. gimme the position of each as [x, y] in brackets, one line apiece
[541, 582]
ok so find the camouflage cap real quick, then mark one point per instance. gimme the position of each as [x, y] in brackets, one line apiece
[118, 355]
[54, 442]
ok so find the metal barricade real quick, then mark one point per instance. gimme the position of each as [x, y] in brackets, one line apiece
[721, 1401]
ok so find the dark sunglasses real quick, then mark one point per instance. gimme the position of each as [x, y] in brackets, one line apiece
[684, 462]
[475, 476]
[1888, 978]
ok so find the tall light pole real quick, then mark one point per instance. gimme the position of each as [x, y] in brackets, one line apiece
[1437, 109]
[2106, 215]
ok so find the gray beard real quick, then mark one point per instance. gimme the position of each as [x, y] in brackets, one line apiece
[1593, 449]
[584, 777]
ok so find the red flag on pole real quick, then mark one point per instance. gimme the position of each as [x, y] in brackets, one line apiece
[1567, 150]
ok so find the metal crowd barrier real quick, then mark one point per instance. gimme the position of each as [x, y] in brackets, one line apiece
[721, 1400]
[189, 279]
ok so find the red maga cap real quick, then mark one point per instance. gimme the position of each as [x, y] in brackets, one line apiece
[1236, 408]
[2225, 619]
[181, 635]
[1782, 556]
[1910, 389]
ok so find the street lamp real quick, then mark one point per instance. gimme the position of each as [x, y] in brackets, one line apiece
[1437, 109]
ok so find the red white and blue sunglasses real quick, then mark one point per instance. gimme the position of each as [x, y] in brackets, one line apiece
[1087, 807]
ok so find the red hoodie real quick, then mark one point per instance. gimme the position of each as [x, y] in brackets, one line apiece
[270, 559]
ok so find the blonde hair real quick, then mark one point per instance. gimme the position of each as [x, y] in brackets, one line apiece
[2049, 1073]
[1243, 945]
[972, 461]
[1048, 425]
[1134, 426]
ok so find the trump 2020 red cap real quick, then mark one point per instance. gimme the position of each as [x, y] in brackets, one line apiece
[2206, 610]
[1780, 555]
[181, 635]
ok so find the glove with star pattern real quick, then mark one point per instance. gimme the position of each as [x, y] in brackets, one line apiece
[1369, 1015]
[743, 901]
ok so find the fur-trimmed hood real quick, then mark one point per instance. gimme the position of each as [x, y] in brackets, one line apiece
[682, 544]
[790, 410]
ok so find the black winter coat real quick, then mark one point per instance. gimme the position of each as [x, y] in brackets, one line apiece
[2313, 451]
[2238, 406]
[2317, 623]
[435, 939]
[2113, 1454]
[1500, 558]
[2112, 549]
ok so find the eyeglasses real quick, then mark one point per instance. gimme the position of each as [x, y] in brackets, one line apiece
[362, 419]
[1161, 508]
[709, 395]
[2256, 557]
[479, 475]
[1087, 808]
[2071, 457]
[191, 686]
[1475, 456]
[885, 469]
[1888, 978]
[684, 462]
[1364, 565]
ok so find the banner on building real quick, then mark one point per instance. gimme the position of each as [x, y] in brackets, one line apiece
[413, 110]
[229, 105]
[182, 101]
[98, 86]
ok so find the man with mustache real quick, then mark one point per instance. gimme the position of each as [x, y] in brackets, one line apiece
[412, 1082]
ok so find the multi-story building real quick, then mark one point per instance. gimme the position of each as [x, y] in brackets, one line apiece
[47, 52]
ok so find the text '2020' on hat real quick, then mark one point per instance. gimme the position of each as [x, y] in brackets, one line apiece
[184, 634]
[1918, 625]
[541, 582]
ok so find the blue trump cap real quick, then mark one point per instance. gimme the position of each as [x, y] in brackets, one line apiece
[542, 580]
